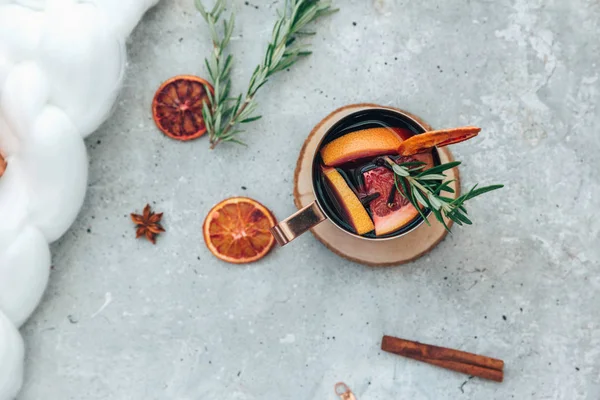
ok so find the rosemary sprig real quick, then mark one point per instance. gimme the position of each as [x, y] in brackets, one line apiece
[224, 113]
[423, 188]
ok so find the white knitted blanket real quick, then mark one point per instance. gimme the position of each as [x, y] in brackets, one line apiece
[61, 65]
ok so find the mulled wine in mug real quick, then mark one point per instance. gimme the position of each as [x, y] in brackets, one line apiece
[354, 182]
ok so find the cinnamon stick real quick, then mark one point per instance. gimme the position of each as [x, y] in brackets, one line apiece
[456, 360]
[468, 369]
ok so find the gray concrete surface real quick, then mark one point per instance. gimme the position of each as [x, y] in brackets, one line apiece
[122, 319]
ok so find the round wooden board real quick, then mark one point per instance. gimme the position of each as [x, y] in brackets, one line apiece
[373, 253]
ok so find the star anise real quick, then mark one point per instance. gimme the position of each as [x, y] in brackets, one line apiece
[148, 224]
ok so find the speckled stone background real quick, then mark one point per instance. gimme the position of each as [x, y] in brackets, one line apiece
[123, 319]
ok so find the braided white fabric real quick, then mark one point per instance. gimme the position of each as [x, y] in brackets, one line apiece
[61, 64]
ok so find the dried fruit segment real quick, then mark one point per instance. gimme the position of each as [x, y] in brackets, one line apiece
[363, 144]
[390, 213]
[177, 107]
[425, 141]
[355, 212]
[3, 165]
[237, 230]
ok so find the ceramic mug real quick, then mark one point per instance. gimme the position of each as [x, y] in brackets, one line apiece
[320, 209]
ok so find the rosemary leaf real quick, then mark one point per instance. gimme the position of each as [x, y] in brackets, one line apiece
[420, 198]
[456, 220]
[399, 170]
[227, 67]
[445, 187]
[209, 95]
[433, 201]
[201, 8]
[422, 189]
[462, 217]
[440, 218]
[477, 192]
[237, 141]
[282, 52]
[251, 119]
[411, 195]
[438, 169]
[433, 177]
[209, 69]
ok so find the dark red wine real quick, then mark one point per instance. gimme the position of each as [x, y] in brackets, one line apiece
[385, 202]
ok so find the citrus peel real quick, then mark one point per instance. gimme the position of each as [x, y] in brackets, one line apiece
[177, 107]
[440, 138]
[363, 144]
[236, 230]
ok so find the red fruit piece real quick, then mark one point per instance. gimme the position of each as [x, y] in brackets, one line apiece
[389, 218]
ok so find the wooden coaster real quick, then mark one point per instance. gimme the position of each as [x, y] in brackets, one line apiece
[373, 253]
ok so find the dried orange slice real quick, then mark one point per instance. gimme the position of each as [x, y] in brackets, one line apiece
[363, 144]
[237, 230]
[3, 165]
[353, 208]
[444, 137]
[177, 107]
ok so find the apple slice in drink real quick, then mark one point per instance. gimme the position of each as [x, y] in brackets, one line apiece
[354, 211]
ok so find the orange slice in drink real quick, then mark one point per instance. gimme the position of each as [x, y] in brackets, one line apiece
[177, 107]
[237, 230]
[355, 212]
[363, 144]
[444, 137]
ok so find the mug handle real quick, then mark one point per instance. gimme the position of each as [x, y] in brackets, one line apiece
[295, 225]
